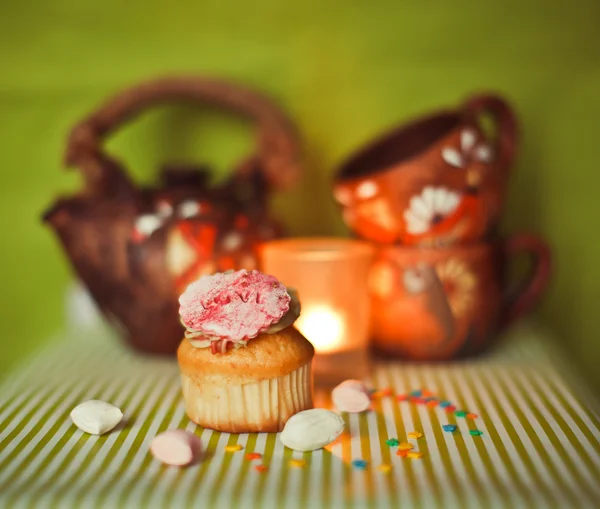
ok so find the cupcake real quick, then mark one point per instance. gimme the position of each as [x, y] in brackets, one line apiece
[244, 367]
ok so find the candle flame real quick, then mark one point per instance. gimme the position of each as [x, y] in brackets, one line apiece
[323, 327]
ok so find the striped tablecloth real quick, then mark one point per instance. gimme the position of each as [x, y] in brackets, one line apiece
[540, 445]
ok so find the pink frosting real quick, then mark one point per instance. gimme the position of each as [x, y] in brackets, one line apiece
[235, 306]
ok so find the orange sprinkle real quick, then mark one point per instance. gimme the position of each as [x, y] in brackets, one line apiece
[402, 452]
[471, 415]
[261, 468]
[426, 394]
[382, 393]
[433, 403]
[253, 456]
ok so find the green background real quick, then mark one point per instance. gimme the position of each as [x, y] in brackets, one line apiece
[345, 70]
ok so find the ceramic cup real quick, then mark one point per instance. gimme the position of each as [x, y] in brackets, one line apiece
[443, 303]
[435, 181]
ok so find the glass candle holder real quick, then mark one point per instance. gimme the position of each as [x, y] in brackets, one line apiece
[330, 276]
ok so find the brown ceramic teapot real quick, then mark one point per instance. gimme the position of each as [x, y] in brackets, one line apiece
[136, 248]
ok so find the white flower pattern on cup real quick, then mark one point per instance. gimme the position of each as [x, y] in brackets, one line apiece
[459, 284]
[366, 190]
[470, 149]
[429, 208]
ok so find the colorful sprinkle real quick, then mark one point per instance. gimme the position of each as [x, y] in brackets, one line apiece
[418, 401]
[402, 452]
[382, 393]
[416, 394]
[261, 468]
[297, 463]
[405, 446]
[360, 464]
[253, 456]
[450, 409]
[402, 397]
[384, 467]
[414, 434]
[475, 432]
[471, 415]
[415, 455]
[234, 448]
[433, 403]
[449, 427]
[445, 404]
[392, 442]
[461, 413]
[426, 394]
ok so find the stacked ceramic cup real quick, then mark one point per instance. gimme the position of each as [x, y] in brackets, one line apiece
[430, 194]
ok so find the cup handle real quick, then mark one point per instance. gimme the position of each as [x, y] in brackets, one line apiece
[506, 122]
[529, 291]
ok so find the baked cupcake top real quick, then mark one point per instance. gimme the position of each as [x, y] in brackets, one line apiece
[229, 309]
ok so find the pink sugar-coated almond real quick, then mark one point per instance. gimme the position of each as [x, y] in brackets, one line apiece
[234, 305]
[351, 396]
[359, 385]
[176, 447]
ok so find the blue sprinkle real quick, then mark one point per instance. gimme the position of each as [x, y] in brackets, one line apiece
[444, 404]
[449, 427]
[362, 464]
[416, 394]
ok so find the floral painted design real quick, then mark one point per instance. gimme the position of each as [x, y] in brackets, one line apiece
[232, 241]
[459, 284]
[366, 190]
[430, 208]
[471, 149]
[189, 208]
[164, 208]
[363, 209]
[363, 191]
[145, 225]
[189, 251]
[378, 212]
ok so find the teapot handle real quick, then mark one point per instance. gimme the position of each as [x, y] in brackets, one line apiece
[505, 119]
[278, 147]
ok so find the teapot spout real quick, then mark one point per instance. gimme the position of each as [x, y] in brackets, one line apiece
[56, 215]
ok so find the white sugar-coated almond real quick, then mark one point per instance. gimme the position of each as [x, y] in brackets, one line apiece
[176, 447]
[351, 396]
[311, 429]
[96, 417]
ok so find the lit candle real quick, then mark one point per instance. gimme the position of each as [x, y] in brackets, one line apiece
[330, 276]
[323, 327]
